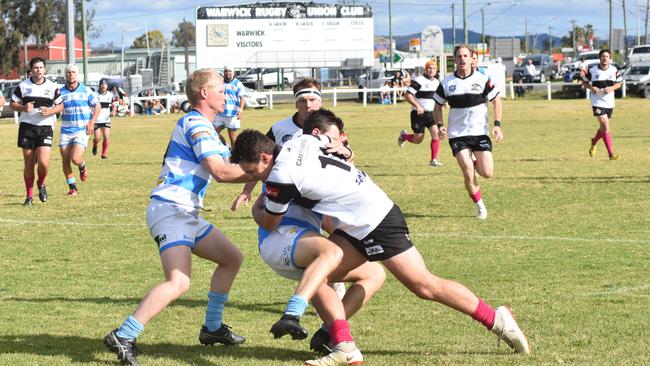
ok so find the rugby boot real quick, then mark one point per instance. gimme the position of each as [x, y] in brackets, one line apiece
[94, 149]
[125, 348]
[343, 354]
[289, 324]
[28, 202]
[321, 342]
[481, 213]
[83, 173]
[222, 335]
[42, 194]
[434, 163]
[505, 326]
[400, 139]
[592, 151]
[615, 157]
[73, 192]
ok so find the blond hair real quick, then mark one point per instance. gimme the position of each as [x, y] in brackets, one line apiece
[198, 81]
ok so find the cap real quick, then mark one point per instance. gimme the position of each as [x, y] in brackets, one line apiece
[103, 81]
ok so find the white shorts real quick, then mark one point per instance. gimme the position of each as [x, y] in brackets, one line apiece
[171, 225]
[231, 123]
[277, 250]
[79, 138]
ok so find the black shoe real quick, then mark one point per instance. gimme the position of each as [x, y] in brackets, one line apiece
[28, 202]
[42, 194]
[126, 349]
[104, 157]
[289, 324]
[321, 342]
[222, 335]
[94, 149]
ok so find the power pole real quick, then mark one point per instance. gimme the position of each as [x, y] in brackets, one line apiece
[483, 26]
[550, 41]
[465, 38]
[526, 36]
[453, 25]
[573, 35]
[69, 32]
[610, 26]
[390, 32]
[624, 30]
[647, 10]
[84, 41]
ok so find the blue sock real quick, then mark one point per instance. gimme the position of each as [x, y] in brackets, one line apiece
[131, 328]
[70, 180]
[296, 306]
[214, 312]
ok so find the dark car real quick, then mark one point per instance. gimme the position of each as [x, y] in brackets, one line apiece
[544, 69]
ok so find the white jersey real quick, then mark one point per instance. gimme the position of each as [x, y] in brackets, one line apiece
[602, 79]
[326, 184]
[467, 98]
[423, 89]
[106, 101]
[184, 179]
[45, 94]
[284, 130]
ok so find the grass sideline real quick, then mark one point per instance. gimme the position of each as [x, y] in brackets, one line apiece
[565, 245]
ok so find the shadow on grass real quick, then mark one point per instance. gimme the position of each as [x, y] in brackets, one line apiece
[80, 349]
[596, 179]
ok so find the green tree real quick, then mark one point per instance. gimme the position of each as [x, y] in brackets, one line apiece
[59, 16]
[156, 40]
[184, 35]
[582, 36]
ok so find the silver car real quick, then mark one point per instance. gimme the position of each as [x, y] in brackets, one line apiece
[637, 79]
[153, 91]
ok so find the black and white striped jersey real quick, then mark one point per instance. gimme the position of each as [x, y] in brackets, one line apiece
[284, 130]
[304, 174]
[602, 79]
[423, 89]
[45, 94]
[106, 101]
[467, 98]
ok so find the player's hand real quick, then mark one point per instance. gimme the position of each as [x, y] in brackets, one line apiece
[90, 127]
[594, 90]
[419, 110]
[44, 111]
[336, 147]
[497, 134]
[442, 133]
[241, 199]
[608, 90]
[29, 107]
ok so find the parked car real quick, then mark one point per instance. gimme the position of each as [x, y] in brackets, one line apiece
[255, 99]
[638, 54]
[181, 99]
[637, 79]
[269, 77]
[589, 58]
[575, 90]
[7, 93]
[544, 68]
[375, 79]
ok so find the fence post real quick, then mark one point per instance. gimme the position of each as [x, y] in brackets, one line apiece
[334, 96]
[131, 112]
[16, 119]
[271, 99]
[512, 90]
[624, 89]
[548, 90]
[394, 95]
[365, 98]
[587, 93]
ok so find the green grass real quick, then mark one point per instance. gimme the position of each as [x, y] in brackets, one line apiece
[566, 245]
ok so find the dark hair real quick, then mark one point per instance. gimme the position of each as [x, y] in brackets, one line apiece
[305, 83]
[249, 145]
[34, 61]
[603, 51]
[321, 119]
[471, 51]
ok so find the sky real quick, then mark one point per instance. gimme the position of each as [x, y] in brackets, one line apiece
[502, 17]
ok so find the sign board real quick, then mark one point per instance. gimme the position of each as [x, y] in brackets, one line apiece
[283, 34]
[432, 41]
[617, 42]
[506, 48]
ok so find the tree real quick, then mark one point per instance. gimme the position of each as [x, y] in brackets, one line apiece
[184, 35]
[59, 16]
[582, 36]
[156, 40]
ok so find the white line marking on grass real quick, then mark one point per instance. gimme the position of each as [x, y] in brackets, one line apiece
[540, 238]
[67, 223]
[619, 290]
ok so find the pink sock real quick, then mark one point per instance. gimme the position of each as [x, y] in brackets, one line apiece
[476, 196]
[104, 147]
[607, 138]
[599, 134]
[41, 180]
[435, 147]
[29, 186]
[408, 137]
[484, 314]
[340, 332]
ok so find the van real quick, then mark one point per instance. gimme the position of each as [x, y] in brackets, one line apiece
[638, 54]
[269, 77]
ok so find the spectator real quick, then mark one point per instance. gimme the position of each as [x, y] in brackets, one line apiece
[157, 107]
[398, 82]
[385, 92]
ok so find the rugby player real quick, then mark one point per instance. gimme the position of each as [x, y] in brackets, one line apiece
[103, 124]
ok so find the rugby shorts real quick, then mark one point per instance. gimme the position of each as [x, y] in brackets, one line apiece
[32, 136]
[600, 111]
[171, 225]
[102, 125]
[473, 143]
[421, 121]
[78, 137]
[231, 123]
[388, 239]
[277, 250]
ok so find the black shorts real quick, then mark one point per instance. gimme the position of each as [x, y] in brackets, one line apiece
[390, 238]
[474, 143]
[422, 121]
[599, 111]
[31, 136]
[102, 125]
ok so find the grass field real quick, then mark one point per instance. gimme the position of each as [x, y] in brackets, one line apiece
[566, 246]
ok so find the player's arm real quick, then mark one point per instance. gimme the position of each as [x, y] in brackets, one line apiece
[437, 116]
[90, 127]
[245, 196]
[265, 219]
[224, 172]
[498, 113]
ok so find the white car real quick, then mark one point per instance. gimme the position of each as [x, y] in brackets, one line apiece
[181, 99]
[255, 99]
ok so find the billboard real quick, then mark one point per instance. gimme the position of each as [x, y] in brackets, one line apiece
[289, 35]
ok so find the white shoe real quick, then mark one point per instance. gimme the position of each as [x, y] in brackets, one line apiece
[481, 214]
[343, 354]
[434, 163]
[339, 287]
[505, 326]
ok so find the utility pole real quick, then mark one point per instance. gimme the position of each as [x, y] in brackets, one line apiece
[624, 30]
[390, 32]
[483, 26]
[526, 36]
[610, 26]
[647, 10]
[69, 32]
[550, 41]
[453, 25]
[465, 38]
[573, 35]
[84, 40]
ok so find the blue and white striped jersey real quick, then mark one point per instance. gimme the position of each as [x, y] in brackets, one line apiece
[234, 90]
[184, 180]
[78, 107]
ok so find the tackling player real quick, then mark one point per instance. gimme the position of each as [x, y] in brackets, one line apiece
[602, 80]
[103, 125]
[194, 156]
